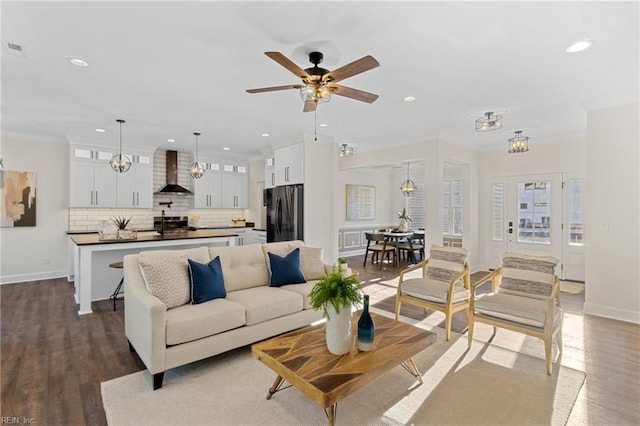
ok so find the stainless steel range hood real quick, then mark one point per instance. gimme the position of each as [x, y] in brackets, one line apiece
[172, 186]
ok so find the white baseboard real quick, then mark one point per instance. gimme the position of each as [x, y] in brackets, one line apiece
[612, 313]
[21, 278]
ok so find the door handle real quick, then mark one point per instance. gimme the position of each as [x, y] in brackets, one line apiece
[96, 198]
[91, 203]
[133, 200]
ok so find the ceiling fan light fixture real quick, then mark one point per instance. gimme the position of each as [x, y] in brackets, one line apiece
[489, 122]
[197, 168]
[315, 92]
[518, 143]
[346, 150]
[120, 163]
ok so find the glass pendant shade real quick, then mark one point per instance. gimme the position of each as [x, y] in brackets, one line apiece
[518, 143]
[120, 163]
[197, 168]
[489, 122]
[408, 186]
[315, 92]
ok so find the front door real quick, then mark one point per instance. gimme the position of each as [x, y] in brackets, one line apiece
[534, 215]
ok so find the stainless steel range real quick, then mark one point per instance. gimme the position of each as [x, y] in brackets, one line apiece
[172, 224]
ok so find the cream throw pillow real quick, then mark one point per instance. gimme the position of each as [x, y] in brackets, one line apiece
[311, 262]
[167, 278]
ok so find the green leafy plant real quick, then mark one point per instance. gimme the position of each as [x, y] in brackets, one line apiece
[336, 290]
[120, 221]
[342, 260]
[404, 216]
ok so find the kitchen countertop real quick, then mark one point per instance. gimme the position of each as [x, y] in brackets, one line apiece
[152, 230]
[89, 239]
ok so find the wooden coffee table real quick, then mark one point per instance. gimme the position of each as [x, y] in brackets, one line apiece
[302, 359]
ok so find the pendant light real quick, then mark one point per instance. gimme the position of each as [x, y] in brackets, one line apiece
[518, 143]
[197, 168]
[120, 163]
[407, 186]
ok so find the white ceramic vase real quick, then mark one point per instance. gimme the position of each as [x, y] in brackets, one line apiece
[339, 332]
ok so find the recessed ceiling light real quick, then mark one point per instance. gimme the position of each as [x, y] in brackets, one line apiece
[409, 98]
[226, 148]
[265, 135]
[100, 130]
[78, 62]
[323, 125]
[579, 46]
[171, 140]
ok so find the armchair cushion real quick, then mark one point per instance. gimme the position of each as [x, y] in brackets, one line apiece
[446, 262]
[433, 290]
[531, 276]
[522, 310]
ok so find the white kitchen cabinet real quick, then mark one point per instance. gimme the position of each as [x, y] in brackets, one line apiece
[269, 172]
[92, 182]
[208, 189]
[244, 234]
[135, 186]
[289, 165]
[235, 186]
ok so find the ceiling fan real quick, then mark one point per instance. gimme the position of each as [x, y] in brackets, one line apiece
[318, 84]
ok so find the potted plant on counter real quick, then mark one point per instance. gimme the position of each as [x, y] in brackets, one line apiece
[121, 222]
[335, 294]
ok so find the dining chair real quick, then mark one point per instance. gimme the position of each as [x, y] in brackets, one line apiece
[412, 245]
[443, 286]
[379, 248]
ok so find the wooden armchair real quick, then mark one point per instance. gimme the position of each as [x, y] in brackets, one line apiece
[444, 285]
[525, 297]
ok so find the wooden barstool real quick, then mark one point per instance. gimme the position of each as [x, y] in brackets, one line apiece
[118, 290]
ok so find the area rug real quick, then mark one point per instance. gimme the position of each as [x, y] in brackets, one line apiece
[486, 385]
[571, 288]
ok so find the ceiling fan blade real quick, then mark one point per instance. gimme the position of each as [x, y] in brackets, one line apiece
[310, 106]
[359, 95]
[274, 88]
[349, 70]
[288, 64]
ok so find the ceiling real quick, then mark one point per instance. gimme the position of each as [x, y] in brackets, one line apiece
[173, 68]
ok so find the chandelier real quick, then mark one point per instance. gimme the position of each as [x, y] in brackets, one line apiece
[518, 143]
[408, 186]
[197, 168]
[488, 122]
[120, 163]
[346, 150]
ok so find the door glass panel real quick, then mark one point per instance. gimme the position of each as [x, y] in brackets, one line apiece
[534, 212]
[497, 212]
[576, 222]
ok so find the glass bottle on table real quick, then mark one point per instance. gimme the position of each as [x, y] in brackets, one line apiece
[366, 328]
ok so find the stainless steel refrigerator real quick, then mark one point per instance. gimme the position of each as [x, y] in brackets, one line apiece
[284, 213]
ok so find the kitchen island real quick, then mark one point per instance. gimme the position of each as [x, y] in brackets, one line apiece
[92, 278]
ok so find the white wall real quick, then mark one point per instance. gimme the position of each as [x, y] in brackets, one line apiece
[382, 181]
[23, 250]
[612, 214]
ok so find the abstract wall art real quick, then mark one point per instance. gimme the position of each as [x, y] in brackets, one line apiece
[18, 198]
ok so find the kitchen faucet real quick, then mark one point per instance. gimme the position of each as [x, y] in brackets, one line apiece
[168, 204]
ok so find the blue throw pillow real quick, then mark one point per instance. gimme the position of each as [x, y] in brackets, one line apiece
[285, 270]
[207, 282]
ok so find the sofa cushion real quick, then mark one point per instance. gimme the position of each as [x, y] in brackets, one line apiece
[265, 303]
[242, 266]
[285, 270]
[207, 282]
[166, 273]
[280, 248]
[311, 262]
[303, 290]
[192, 322]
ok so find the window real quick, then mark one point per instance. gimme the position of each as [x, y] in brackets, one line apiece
[452, 203]
[576, 221]
[497, 212]
[415, 207]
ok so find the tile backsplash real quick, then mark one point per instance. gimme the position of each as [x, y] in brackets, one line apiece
[86, 219]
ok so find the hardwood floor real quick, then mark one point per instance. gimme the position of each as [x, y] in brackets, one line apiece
[53, 361]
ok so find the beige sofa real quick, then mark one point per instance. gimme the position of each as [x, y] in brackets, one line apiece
[165, 338]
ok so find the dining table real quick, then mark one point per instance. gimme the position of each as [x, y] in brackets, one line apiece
[395, 237]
